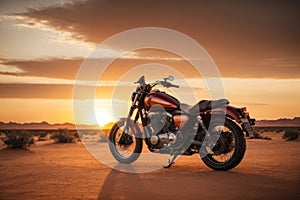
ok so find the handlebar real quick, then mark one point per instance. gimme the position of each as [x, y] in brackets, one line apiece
[165, 84]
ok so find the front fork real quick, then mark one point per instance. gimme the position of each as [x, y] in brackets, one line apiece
[128, 119]
[126, 137]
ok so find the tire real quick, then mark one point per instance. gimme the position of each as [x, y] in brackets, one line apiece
[238, 152]
[136, 146]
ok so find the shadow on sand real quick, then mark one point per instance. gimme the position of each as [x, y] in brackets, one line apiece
[201, 184]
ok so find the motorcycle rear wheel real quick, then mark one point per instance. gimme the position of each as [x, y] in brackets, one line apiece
[125, 153]
[238, 144]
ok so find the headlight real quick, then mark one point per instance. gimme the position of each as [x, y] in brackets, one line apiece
[133, 96]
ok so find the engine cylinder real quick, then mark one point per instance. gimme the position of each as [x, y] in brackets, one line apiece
[154, 139]
[159, 121]
[162, 139]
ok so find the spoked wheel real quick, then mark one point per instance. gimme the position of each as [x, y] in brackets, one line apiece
[229, 145]
[125, 146]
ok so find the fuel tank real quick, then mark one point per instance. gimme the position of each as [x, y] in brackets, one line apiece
[161, 98]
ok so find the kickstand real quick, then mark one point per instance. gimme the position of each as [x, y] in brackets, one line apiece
[171, 161]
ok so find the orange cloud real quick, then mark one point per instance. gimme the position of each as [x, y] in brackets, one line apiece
[245, 39]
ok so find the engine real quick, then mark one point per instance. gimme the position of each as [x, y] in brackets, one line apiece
[160, 123]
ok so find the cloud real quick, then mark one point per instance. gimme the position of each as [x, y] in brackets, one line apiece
[35, 91]
[68, 68]
[10, 69]
[50, 68]
[100, 19]
[27, 38]
[240, 36]
[13, 6]
[246, 40]
[46, 91]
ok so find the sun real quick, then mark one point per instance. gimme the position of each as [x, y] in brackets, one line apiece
[103, 117]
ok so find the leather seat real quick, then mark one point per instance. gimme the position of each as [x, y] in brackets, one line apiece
[185, 107]
[204, 105]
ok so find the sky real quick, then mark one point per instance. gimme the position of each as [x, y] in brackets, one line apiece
[255, 45]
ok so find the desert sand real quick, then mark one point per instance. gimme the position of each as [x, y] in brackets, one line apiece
[270, 170]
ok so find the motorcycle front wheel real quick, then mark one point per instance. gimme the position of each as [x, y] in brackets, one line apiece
[125, 146]
[230, 145]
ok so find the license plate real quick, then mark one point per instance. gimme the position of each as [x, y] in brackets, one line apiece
[248, 129]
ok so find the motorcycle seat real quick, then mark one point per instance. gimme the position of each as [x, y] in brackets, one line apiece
[207, 105]
[185, 107]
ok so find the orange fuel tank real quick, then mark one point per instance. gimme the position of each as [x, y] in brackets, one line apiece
[161, 98]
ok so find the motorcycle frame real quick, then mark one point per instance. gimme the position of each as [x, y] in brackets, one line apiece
[229, 111]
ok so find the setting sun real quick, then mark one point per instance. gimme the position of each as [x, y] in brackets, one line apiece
[103, 117]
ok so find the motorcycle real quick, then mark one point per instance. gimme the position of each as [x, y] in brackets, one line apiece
[212, 128]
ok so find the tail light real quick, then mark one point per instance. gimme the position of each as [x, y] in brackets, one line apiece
[243, 112]
[246, 114]
[244, 109]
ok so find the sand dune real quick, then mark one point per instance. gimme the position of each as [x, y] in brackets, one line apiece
[270, 170]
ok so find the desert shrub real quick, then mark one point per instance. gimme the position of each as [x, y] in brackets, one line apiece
[2, 136]
[76, 135]
[290, 135]
[63, 136]
[43, 134]
[266, 138]
[18, 139]
[259, 136]
[103, 138]
[44, 137]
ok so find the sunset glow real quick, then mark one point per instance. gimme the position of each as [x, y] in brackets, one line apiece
[256, 48]
[103, 118]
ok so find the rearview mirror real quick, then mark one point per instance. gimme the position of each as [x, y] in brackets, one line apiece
[171, 78]
[141, 80]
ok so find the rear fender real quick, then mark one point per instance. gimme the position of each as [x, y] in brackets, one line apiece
[232, 113]
[227, 110]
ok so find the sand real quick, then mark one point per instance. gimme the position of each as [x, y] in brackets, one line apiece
[270, 170]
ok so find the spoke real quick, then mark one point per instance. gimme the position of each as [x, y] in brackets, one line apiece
[225, 156]
[125, 150]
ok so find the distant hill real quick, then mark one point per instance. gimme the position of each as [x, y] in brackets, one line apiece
[108, 126]
[43, 125]
[279, 122]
